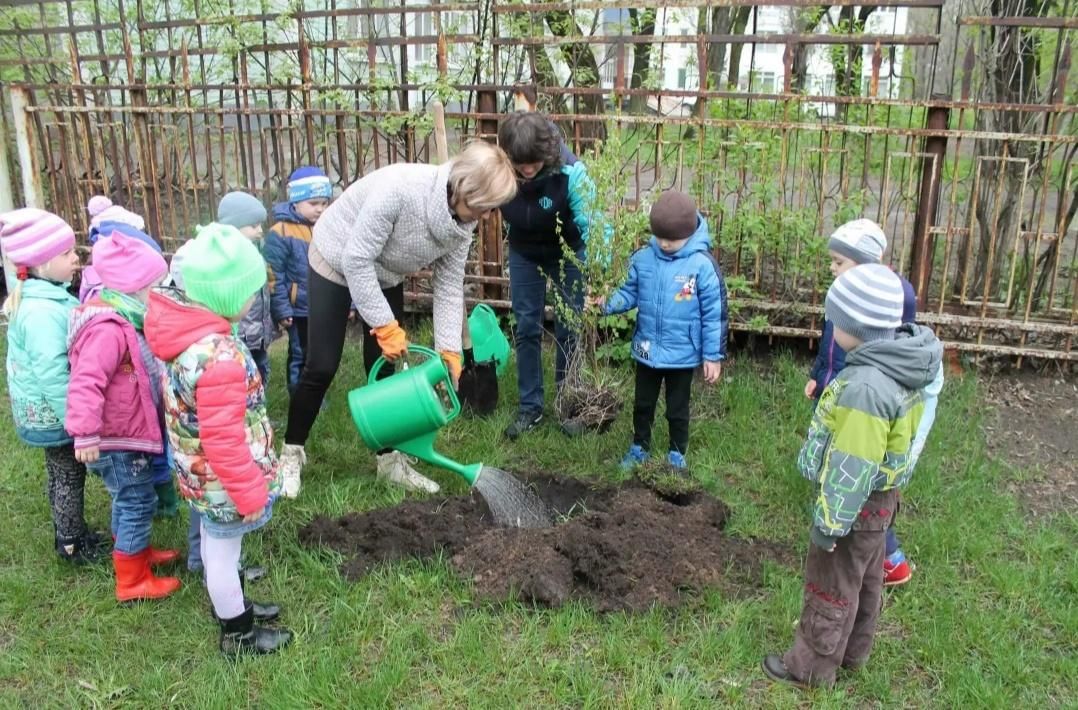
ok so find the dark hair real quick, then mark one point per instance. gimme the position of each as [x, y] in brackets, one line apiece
[530, 138]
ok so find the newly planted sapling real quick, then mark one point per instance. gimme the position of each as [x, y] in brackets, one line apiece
[588, 398]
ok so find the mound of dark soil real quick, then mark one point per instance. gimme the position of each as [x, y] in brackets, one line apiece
[625, 548]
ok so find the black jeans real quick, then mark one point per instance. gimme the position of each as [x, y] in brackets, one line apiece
[678, 391]
[327, 325]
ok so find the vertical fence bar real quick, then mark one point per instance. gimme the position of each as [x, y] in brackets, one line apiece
[925, 219]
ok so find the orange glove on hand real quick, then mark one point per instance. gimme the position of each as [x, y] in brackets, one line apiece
[392, 339]
[453, 364]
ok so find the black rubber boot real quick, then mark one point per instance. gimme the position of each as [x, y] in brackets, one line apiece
[253, 573]
[267, 611]
[264, 611]
[240, 635]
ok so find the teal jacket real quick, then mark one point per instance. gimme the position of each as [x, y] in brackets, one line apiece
[37, 367]
[863, 429]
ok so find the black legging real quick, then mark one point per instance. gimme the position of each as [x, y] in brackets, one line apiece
[327, 323]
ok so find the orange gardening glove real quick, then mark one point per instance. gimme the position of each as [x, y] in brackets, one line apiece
[453, 364]
[392, 339]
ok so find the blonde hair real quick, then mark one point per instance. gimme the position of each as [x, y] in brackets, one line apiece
[482, 176]
[11, 303]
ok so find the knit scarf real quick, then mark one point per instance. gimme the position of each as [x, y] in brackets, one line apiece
[130, 308]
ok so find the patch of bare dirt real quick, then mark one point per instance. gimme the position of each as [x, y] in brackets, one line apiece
[1034, 427]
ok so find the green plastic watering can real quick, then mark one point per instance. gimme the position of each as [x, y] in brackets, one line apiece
[405, 411]
[488, 340]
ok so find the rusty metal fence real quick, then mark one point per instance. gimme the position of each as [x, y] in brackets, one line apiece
[960, 138]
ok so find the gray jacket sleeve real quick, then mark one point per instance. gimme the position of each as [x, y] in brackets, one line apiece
[448, 283]
[370, 232]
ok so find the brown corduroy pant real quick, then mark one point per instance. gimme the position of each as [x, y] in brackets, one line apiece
[843, 596]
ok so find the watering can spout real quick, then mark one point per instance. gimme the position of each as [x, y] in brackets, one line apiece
[422, 447]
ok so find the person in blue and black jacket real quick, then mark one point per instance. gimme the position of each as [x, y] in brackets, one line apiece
[549, 215]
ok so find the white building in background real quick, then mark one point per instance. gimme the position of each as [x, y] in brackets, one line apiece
[674, 64]
[761, 68]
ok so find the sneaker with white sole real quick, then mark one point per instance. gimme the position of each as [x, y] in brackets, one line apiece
[396, 468]
[293, 458]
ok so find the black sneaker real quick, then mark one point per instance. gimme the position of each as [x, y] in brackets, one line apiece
[525, 421]
[76, 551]
[573, 428]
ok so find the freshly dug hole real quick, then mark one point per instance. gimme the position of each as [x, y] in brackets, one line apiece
[623, 548]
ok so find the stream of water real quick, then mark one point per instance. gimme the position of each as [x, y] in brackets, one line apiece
[511, 502]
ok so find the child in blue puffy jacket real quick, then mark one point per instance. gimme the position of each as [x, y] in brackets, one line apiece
[285, 250]
[681, 322]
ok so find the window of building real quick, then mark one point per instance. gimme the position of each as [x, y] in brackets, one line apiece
[423, 26]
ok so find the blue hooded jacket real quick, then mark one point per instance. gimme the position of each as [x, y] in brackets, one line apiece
[681, 300]
[831, 358]
[285, 250]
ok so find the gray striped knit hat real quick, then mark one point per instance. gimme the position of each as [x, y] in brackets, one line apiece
[861, 240]
[866, 302]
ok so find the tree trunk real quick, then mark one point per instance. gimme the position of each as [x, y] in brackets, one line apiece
[718, 21]
[642, 24]
[1011, 63]
[805, 21]
[739, 21]
[583, 71]
[544, 75]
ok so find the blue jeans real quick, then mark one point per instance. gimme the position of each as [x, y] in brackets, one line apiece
[128, 476]
[297, 351]
[194, 540]
[262, 362]
[528, 284]
[162, 472]
[891, 541]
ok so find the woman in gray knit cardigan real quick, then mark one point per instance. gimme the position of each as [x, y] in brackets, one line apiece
[392, 222]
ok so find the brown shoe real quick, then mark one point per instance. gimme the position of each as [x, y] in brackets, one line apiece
[776, 670]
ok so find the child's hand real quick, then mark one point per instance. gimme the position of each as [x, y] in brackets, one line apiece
[285, 323]
[253, 517]
[712, 371]
[810, 388]
[88, 455]
[595, 301]
[353, 315]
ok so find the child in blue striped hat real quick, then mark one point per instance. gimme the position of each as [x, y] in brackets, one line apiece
[858, 454]
[309, 194]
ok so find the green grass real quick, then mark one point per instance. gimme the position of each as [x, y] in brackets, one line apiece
[990, 619]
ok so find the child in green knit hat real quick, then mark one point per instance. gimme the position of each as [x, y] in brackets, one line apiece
[215, 412]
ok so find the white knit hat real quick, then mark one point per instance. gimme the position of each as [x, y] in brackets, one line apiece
[861, 240]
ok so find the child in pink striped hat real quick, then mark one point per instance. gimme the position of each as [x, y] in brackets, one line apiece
[114, 406]
[42, 247]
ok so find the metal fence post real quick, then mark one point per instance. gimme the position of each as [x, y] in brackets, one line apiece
[935, 149]
[490, 227]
